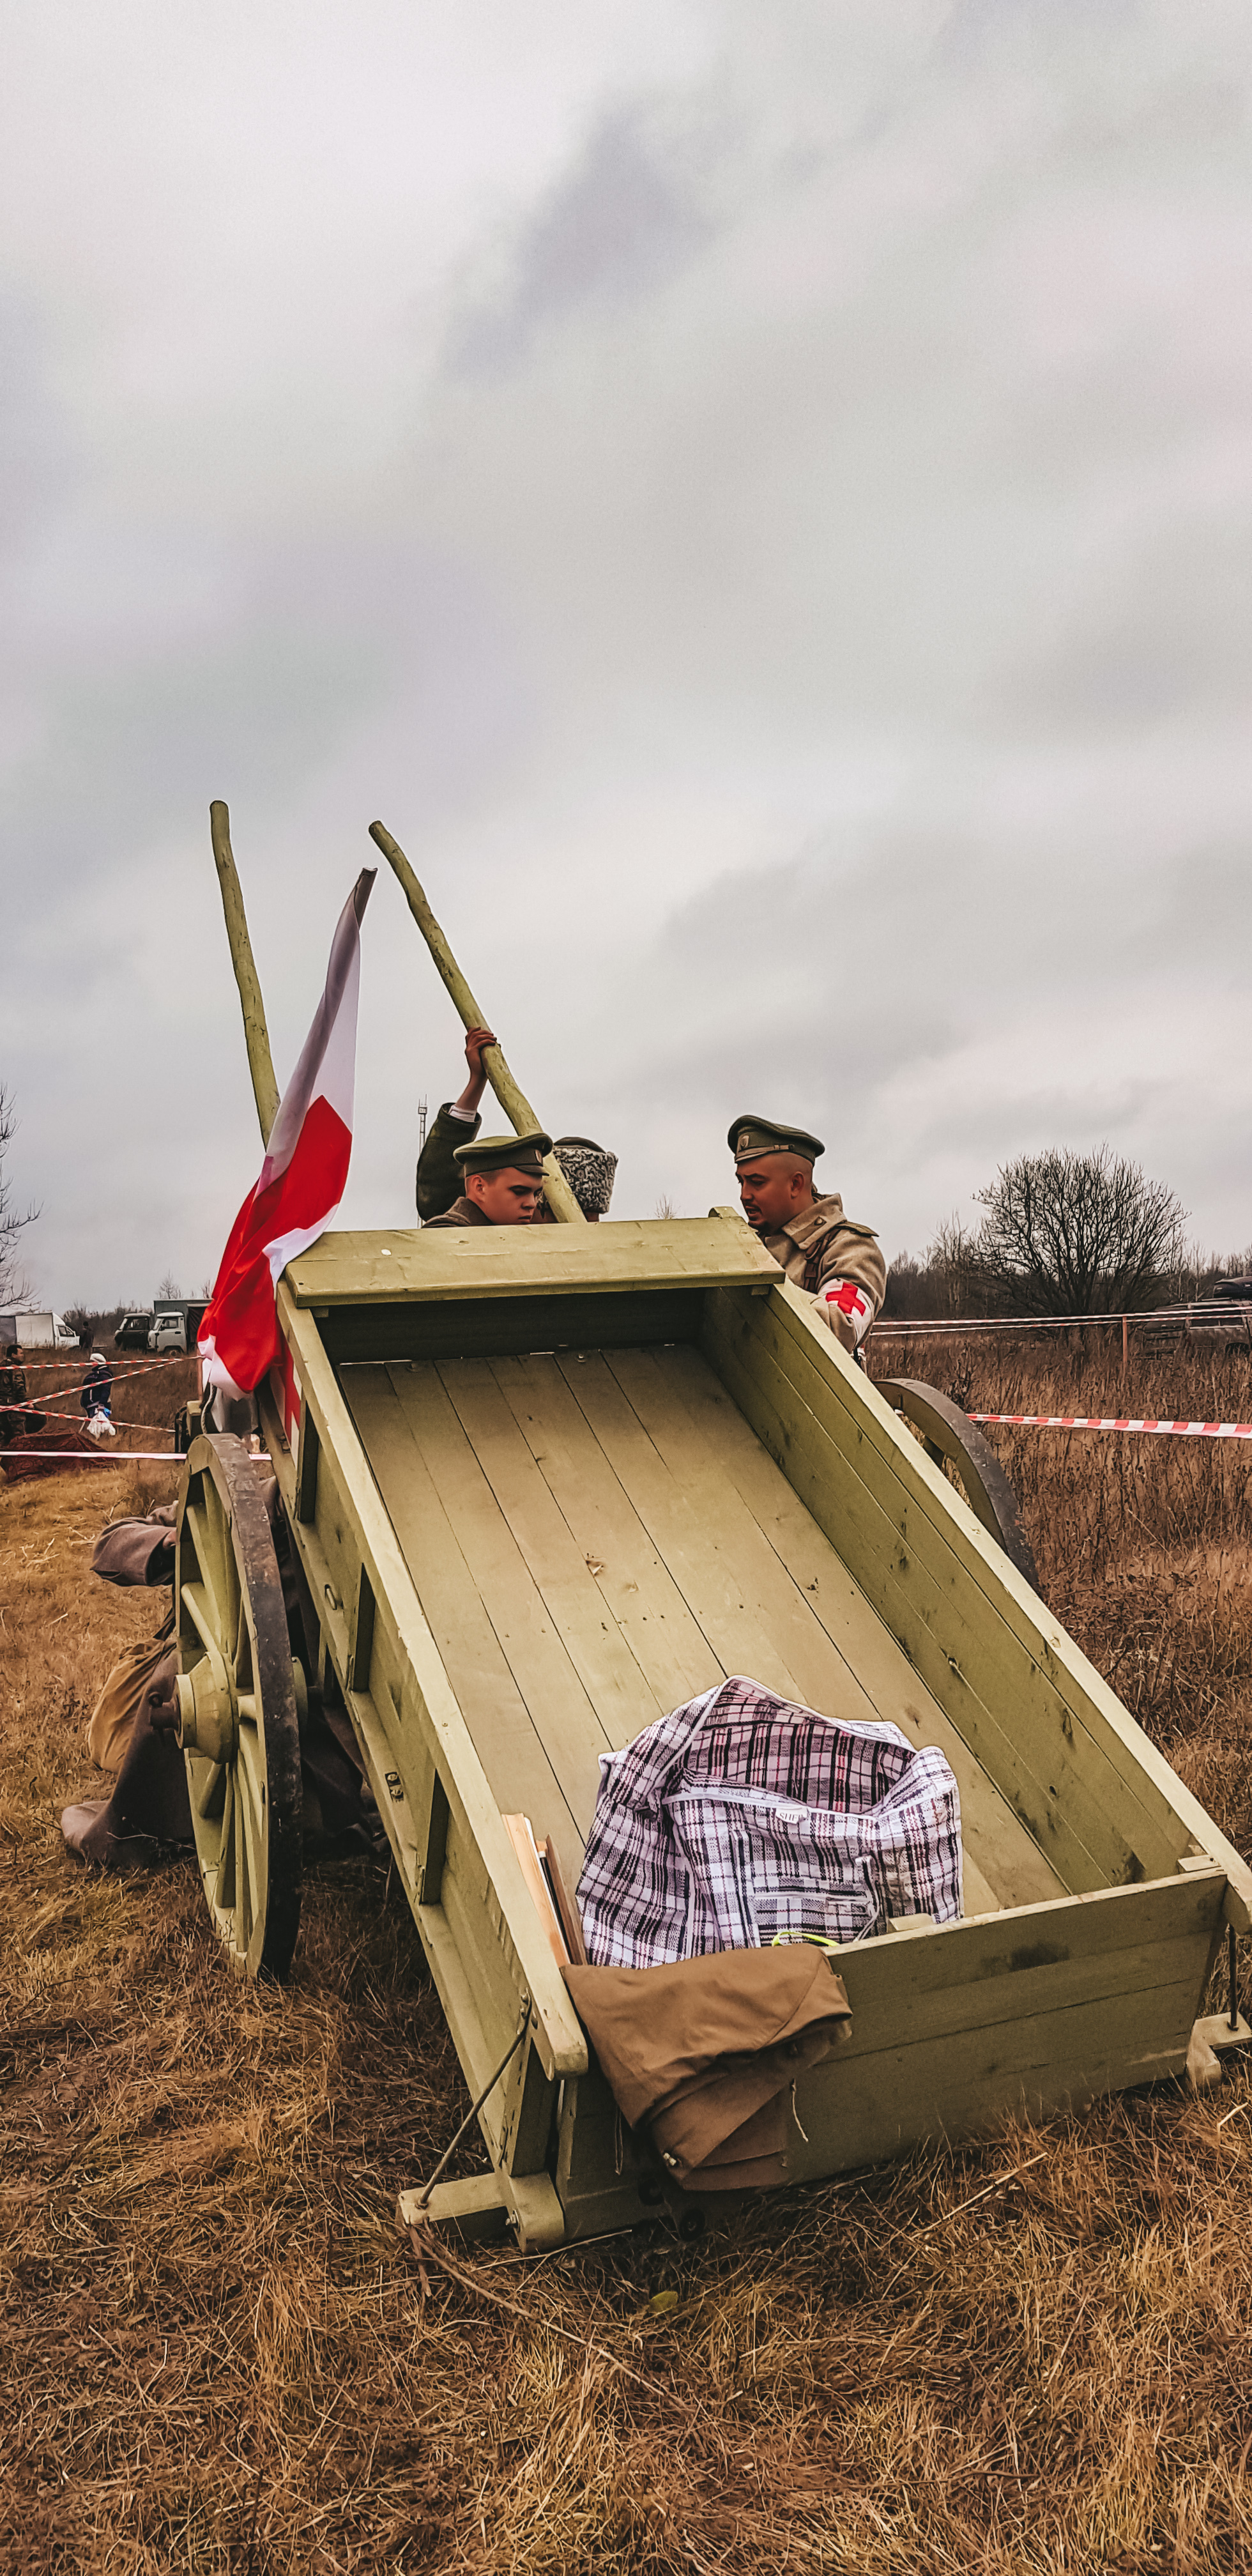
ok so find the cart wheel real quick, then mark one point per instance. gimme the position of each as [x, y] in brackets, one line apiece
[237, 1700]
[949, 1435]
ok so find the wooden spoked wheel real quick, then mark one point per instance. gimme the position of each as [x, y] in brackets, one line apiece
[238, 1708]
[952, 1440]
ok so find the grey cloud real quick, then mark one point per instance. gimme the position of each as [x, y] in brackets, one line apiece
[621, 223]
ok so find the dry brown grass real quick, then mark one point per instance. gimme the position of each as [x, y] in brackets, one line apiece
[217, 2352]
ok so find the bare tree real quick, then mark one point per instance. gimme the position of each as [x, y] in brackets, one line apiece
[13, 1287]
[1077, 1234]
[169, 1286]
[948, 1279]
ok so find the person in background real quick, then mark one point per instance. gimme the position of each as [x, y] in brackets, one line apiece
[501, 1181]
[15, 1415]
[97, 1387]
[824, 1254]
[590, 1170]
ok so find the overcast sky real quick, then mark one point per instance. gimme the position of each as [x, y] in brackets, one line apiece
[756, 498]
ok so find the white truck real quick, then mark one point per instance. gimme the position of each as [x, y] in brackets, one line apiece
[38, 1332]
[175, 1323]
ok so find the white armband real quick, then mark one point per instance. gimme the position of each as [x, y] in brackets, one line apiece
[853, 1302]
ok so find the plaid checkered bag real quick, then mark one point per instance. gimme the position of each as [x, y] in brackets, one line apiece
[742, 1818]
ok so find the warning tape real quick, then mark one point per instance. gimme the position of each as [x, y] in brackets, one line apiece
[168, 1359]
[112, 1377]
[1119, 1422]
[100, 1457]
[117, 1457]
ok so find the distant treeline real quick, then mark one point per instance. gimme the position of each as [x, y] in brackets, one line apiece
[1061, 1234]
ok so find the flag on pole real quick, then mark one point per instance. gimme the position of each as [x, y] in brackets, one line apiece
[302, 1179]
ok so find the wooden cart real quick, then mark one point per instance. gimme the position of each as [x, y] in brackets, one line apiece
[547, 1484]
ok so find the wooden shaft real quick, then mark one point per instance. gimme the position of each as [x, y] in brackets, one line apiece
[256, 1034]
[512, 1098]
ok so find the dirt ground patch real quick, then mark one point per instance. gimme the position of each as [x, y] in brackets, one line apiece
[219, 2354]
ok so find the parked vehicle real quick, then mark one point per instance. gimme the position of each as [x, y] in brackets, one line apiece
[38, 1332]
[1224, 1316]
[132, 1333]
[175, 1323]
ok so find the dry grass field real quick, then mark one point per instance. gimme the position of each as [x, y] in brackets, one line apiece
[220, 2356]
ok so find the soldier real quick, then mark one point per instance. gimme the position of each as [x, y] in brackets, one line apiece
[589, 1168]
[458, 1122]
[501, 1179]
[834, 1262]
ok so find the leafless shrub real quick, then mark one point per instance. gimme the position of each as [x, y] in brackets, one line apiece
[1077, 1234]
[14, 1288]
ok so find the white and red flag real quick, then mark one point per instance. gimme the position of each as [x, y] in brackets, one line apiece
[303, 1176]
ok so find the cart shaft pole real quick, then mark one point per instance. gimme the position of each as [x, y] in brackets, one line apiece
[256, 1034]
[512, 1098]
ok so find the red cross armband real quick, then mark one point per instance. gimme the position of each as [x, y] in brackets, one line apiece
[848, 1298]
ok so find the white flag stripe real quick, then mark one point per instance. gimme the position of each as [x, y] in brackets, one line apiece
[328, 1056]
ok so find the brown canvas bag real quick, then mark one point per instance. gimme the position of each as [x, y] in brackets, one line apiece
[702, 2054]
[112, 1720]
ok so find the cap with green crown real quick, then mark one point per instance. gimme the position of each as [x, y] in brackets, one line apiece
[750, 1136]
[505, 1153]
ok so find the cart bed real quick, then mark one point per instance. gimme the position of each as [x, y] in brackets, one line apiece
[595, 1537]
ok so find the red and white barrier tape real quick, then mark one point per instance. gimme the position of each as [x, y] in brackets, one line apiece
[168, 1359]
[1119, 1422]
[101, 1457]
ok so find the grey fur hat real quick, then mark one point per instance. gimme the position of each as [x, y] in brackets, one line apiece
[589, 1169]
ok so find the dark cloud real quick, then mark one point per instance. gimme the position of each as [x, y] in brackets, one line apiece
[621, 223]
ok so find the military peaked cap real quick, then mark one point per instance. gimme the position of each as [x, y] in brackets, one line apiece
[749, 1136]
[505, 1153]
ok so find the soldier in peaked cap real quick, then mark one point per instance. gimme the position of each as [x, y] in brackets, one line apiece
[589, 1168]
[836, 1263]
[501, 1180]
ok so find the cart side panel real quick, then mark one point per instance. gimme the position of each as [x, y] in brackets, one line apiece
[478, 1925]
[1018, 2014]
[986, 1648]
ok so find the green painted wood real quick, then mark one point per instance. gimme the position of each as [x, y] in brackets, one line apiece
[993, 1692]
[689, 1543]
[1077, 1704]
[421, 1489]
[503, 1080]
[639, 1593]
[502, 1935]
[558, 1567]
[256, 1034]
[526, 1261]
[1003, 1864]
[1034, 2011]
[543, 1676]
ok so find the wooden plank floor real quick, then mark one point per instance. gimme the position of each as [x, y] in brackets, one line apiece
[596, 1538]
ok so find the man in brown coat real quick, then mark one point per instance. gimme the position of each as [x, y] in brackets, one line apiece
[501, 1181]
[825, 1255]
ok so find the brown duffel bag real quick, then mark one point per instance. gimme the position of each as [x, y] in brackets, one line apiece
[703, 2055]
[112, 1719]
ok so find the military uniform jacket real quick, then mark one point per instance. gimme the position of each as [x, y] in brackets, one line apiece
[461, 1212]
[438, 1172]
[824, 1254]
